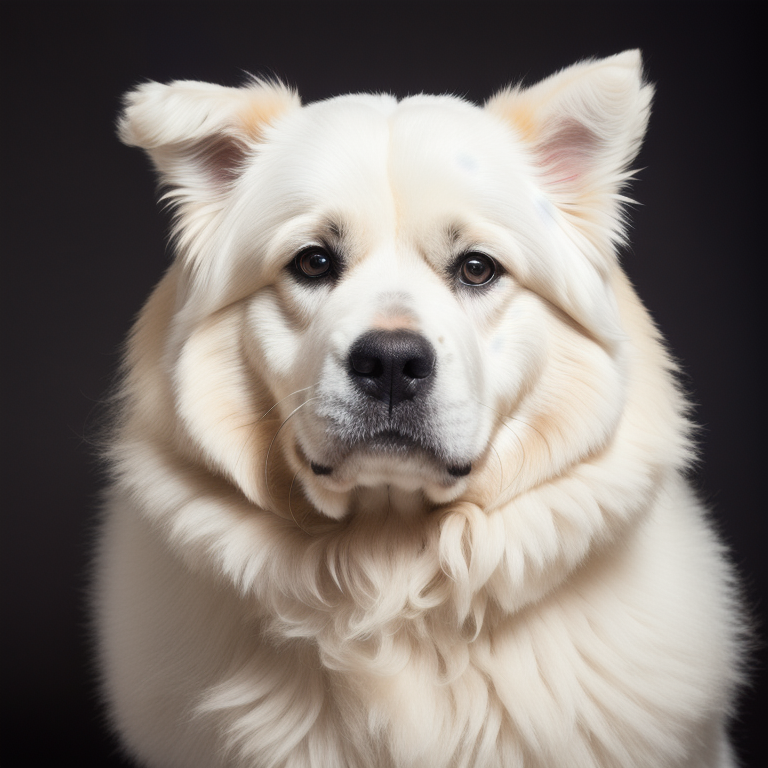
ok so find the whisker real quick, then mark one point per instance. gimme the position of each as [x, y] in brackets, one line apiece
[272, 442]
[290, 508]
[502, 422]
[539, 433]
[295, 392]
[254, 422]
[501, 470]
[251, 424]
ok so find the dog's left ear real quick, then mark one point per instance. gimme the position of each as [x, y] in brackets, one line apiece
[584, 126]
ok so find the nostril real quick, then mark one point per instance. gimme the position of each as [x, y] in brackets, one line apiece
[419, 367]
[366, 365]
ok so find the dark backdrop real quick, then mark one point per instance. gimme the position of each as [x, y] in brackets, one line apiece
[83, 243]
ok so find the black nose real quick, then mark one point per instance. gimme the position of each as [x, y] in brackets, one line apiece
[392, 366]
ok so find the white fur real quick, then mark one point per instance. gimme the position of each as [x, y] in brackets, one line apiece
[563, 604]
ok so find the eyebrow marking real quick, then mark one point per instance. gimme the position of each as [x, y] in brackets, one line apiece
[334, 228]
[454, 233]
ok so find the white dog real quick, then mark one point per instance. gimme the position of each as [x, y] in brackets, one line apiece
[399, 456]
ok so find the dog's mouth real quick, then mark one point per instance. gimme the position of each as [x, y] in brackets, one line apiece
[454, 470]
[350, 449]
[391, 446]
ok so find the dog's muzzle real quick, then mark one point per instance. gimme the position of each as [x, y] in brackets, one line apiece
[392, 373]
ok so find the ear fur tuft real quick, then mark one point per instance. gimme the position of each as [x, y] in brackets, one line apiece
[198, 136]
[584, 126]
[187, 111]
[197, 133]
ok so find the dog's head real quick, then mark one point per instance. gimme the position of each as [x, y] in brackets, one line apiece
[372, 294]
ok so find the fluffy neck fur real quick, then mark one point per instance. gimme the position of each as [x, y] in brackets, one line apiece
[366, 586]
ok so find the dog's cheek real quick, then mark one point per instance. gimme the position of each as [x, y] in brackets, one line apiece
[285, 354]
[272, 343]
[220, 404]
[516, 351]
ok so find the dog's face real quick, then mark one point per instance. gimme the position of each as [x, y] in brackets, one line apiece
[391, 294]
[409, 296]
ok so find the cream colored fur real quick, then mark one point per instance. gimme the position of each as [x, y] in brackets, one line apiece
[564, 604]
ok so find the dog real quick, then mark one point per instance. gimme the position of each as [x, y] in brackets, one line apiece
[398, 456]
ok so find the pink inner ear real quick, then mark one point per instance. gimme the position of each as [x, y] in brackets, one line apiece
[568, 151]
[221, 159]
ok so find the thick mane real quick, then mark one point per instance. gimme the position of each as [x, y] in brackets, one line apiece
[371, 573]
[398, 461]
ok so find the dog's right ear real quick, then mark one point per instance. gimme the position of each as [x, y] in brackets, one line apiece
[198, 134]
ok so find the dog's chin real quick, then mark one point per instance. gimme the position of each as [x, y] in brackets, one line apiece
[415, 472]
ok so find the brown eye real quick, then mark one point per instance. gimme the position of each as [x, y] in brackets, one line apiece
[477, 269]
[314, 262]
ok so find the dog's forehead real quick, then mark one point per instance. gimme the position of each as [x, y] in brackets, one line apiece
[398, 176]
[450, 161]
[329, 145]
[414, 156]
[446, 136]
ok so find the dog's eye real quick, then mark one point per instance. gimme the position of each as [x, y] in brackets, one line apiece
[477, 269]
[314, 262]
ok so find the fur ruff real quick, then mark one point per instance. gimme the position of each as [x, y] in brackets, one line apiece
[565, 604]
